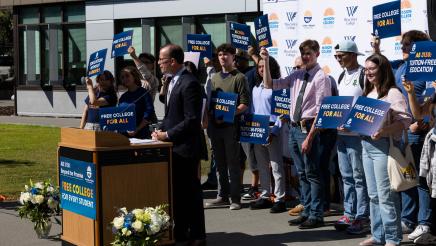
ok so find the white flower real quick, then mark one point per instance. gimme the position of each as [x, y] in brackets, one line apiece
[123, 210]
[126, 232]
[52, 203]
[26, 187]
[39, 185]
[138, 226]
[50, 189]
[137, 212]
[39, 199]
[25, 197]
[118, 222]
[154, 229]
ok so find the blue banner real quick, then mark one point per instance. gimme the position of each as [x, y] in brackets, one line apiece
[254, 129]
[96, 63]
[224, 105]
[119, 119]
[122, 41]
[421, 64]
[263, 34]
[367, 116]
[200, 43]
[334, 111]
[280, 103]
[77, 186]
[240, 35]
[386, 19]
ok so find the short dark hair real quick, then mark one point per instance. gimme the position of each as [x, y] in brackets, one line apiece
[311, 44]
[226, 48]
[147, 56]
[175, 52]
[415, 35]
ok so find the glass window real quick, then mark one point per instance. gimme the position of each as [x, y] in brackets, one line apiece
[51, 14]
[74, 13]
[170, 31]
[75, 55]
[134, 25]
[45, 48]
[29, 16]
[216, 27]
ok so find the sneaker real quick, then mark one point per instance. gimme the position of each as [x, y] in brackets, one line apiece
[235, 206]
[426, 239]
[251, 193]
[209, 186]
[278, 207]
[296, 210]
[261, 204]
[406, 229]
[422, 235]
[298, 221]
[218, 202]
[311, 223]
[343, 223]
[359, 226]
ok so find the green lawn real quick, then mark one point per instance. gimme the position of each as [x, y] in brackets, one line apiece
[26, 152]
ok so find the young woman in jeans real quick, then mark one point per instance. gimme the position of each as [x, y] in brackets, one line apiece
[385, 209]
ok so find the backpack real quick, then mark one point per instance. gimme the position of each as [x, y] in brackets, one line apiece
[361, 78]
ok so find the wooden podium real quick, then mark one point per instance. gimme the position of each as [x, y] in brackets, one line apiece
[126, 175]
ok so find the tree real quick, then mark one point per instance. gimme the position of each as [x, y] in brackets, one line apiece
[6, 33]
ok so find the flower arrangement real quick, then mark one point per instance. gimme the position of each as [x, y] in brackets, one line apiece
[140, 227]
[40, 201]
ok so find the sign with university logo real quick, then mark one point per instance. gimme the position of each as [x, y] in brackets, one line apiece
[421, 64]
[77, 186]
[333, 111]
[121, 43]
[200, 43]
[386, 19]
[119, 119]
[254, 129]
[96, 63]
[224, 105]
[240, 35]
[280, 103]
[366, 116]
[291, 23]
[263, 34]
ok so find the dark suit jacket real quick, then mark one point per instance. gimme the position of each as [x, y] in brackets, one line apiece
[182, 119]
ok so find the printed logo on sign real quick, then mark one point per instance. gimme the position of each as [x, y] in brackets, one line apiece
[414, 47]
[290, 51]
[397, 46]
[288, 70]
[290, 43]
[291, 16]
[327, 47]
[283, 92]
[273, 51]
[406, 11]
[352, 38]
[351, 20]
[349, 121]
[89, 172]
[319, 121]
[307, 17]
[329, 18]
[273, 21]
[291, 24]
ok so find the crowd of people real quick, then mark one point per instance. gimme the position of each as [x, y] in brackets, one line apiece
[369, 203]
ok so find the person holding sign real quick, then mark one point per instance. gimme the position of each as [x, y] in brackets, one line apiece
[384, 202]
[308, 88]
[103, 95]
[224, 136]
[135, 94]
[356, 202]
[270, 154]
[145, 65]
[413, 212]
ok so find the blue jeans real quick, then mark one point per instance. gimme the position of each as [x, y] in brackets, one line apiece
[309, 173]
[384, 203]
[356, 201]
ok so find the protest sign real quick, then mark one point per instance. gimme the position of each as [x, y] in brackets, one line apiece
[200, 43]
[421, 64]
[96, 63]
[263, 34]
[280, 103]
[122, 42]
[333, 111]
[254, 129]
[386, 19]
[224, 105]
[120, 119]
[240, 35]
[366, 116]
[193, 57]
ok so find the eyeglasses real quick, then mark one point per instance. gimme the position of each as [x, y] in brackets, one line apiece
[369, 69]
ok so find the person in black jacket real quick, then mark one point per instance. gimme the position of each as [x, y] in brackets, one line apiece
[182, 126]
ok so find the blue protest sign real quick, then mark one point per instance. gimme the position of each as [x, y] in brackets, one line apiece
[263, 34]
[421, 64]
[77, 186]
[224, 105]
[366, 116]
[122, 41]
[280, 102]
[254, 129]
[96, 62]
[120, 119]
[333, 111]
[240, 35]
[386, 19]
[200, 43]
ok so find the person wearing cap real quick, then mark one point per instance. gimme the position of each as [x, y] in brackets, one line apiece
[356, 202]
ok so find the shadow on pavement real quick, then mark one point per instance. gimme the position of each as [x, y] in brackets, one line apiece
[12, 163]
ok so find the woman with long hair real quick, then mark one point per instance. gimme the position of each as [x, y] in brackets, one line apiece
[385, 208]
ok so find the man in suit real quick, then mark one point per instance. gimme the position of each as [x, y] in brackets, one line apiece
[182, 125]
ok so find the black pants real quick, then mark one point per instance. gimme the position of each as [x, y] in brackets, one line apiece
[188, 200]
